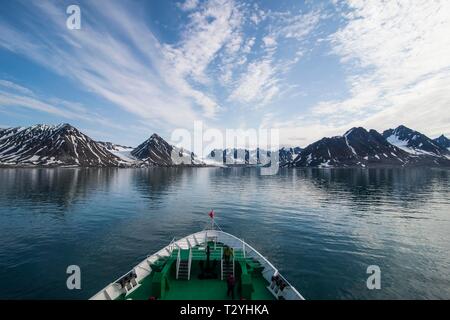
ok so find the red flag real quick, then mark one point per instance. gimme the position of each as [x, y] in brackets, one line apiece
[211, 214]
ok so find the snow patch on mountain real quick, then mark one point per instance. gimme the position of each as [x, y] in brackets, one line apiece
[47, 145]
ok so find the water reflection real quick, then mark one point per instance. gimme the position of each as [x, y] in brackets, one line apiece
[322, 228]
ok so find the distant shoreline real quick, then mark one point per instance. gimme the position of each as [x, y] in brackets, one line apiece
[3, 166]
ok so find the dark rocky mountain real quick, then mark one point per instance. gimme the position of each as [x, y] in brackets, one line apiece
[45, 145]
[64, 145]
[7, 132]
[443, 142]
[357, 147]
[235, 156]
[287, 155]
[158, 152]
[414, 142]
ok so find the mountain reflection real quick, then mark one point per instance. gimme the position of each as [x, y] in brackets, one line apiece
[61, 187]
[321, 227]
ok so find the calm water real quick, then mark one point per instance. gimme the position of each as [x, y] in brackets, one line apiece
[321, 228]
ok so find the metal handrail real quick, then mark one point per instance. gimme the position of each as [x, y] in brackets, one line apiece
[147, 256]
[233, 262]
[249, 251]
[221, 263]
[178, 262]
[268, 263]
[189, 264]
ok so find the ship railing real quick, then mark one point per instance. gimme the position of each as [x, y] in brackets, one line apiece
[233, 263]
[178, 262]
[114, 289]
[221, 263]
[171, 245]
[269, 269]
[235, 243]
[189, 264]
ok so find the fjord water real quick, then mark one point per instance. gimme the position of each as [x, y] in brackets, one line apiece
[321, 227]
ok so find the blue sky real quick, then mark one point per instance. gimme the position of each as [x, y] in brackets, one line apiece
[309, 68]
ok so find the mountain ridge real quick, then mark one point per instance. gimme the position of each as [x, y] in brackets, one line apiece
[361, 148]
[413, 142]
[56, 145]
[65, 145]
[443, 141]
[157, 151]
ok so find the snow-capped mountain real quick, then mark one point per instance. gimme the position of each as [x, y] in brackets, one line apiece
[414, 142]
[235, 156]
[64, 145]
[287, 155]
[357, 147]
[157, 151]
[443, 141]
[7, 132]
[46, 145]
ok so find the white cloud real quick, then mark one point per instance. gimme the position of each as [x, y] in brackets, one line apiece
[103, 62]
[188, 5]
[396, 55]
[215, 26]
[249, 45]
[13, 95]
[209, 30]
[399, 66]
[263, 78]
[297, 26]
[170, 84]
[15, 87]
[269, 41]
[258, 85]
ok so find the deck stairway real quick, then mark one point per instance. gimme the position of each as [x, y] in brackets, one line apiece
[184, 262]
[227, 269]
[183, 270]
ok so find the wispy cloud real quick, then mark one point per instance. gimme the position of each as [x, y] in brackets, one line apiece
[5, 84]
[296, 26]
[397, 62]
[389, 62]
[258, 85]
[263, 77]
[103, 61]
[211, 28]
[156, 81]
[398, 58]
[188, 5]
[15, 96]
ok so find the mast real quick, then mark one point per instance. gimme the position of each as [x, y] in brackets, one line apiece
[211, 215]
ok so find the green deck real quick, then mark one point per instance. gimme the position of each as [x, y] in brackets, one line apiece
[162, 284]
